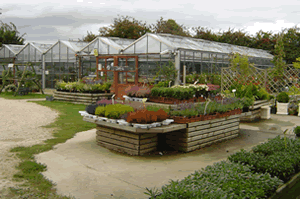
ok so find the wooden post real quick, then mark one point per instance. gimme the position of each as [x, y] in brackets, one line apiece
[97, 67]
[105, 69]
[136, 70]
[14, 69]
[79, 67]
[116, 77]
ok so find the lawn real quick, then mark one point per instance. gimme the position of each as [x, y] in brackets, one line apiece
[10, 95]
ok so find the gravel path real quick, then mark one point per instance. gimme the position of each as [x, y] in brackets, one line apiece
[20, 125]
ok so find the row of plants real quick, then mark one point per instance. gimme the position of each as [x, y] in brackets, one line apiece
[82, 87]
[138, 91]
[179, 92]
[182, 113]
[204, 78]
[255, 174]
[250, 90]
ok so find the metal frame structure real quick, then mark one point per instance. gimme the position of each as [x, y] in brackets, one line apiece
[198, 54]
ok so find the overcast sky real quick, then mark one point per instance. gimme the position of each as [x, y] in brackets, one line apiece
[71, 19]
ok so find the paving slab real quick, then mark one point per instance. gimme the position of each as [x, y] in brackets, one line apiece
[82, 169]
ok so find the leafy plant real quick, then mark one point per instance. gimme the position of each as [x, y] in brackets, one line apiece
[297, 130]
[169, 72]
[283, 97]
[114, 111]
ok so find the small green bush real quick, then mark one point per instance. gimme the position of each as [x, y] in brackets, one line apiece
[297, 130]
[100, 111]
[283, 97]
[114, 111]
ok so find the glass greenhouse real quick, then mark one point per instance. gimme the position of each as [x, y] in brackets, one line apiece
[8, 53]
[104, 46]
[197, 55]
[61, 63]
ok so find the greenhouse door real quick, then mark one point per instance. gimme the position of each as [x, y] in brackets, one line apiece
[121, 67]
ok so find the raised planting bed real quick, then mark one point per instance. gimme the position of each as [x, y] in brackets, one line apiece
[203, 133]
[181, 137]
[130, 140]
[254, 112]
[81, 98]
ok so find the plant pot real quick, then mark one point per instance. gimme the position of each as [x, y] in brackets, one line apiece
[282, 108]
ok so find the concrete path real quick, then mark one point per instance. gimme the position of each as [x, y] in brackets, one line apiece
[82, 169]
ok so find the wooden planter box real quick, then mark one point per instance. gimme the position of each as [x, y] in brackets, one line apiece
[254, 111]
[200, 134]
[130, 140]
[80, 98]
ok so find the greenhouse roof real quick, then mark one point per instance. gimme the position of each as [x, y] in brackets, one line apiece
[13, 48]
[41, 47]
[175, 42]
[106, 45]
[75, 46]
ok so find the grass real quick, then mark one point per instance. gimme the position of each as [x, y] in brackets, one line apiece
[67, 125]
[10, 95]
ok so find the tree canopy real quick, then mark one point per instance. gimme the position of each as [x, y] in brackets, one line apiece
[10, 35]
[125, 27]
[169, 26]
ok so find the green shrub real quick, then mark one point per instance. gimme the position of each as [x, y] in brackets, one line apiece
[114, 111]
[100, 111]
[222, 180]
[283, 97]
[262, 94]
[297, 130]
[277, 157]
[162, 84]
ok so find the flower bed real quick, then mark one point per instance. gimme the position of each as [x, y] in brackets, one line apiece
[83, 87]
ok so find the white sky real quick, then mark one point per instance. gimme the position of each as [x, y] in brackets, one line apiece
[64, 19]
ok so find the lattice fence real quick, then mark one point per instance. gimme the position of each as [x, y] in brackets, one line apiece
[263, 78]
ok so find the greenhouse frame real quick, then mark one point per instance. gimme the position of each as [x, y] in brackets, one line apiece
[8, 53]
[198, 55]
[104, 46]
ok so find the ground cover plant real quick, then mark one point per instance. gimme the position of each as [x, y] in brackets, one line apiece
[83, 87]
[279, 156]
[221, 180]
[67, 125]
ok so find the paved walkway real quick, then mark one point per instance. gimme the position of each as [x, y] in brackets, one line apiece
[82, 169]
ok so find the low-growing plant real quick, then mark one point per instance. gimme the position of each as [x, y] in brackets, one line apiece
[283, 97]
[297, 130]
[222, 180]
[114, 111]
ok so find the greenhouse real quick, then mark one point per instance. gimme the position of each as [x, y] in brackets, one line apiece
[197, 55]
[8, 53]
[61, 62]
[104, 46]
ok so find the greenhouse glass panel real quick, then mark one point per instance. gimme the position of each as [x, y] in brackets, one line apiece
[141, 46]
[2, 50]
[71, 55]
[32, 54]
[153, 45]
[55, 53]
[129, 50]
[113, 50]
[103, 48]
[63, 53]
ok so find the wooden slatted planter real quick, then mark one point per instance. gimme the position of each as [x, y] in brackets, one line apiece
[128, 139]
[181, 137]
[203, 133]
[254, 111]
[81, 98]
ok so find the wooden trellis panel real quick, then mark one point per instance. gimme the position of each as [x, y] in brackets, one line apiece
[262, 77]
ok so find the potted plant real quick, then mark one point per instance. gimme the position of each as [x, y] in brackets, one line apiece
[297, 131]
[282, 103]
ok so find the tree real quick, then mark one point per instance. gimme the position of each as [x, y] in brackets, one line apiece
[205, 33]
[291, 42]
[264, 40]
[10, 35]
[170, 26]
[125, 27]
[278, 59]
[239, 38]
[89, 37]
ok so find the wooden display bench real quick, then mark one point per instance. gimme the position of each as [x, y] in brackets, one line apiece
[130, 140]
[181, 137]
[200, 134]
[254, 113]
[79, 98]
